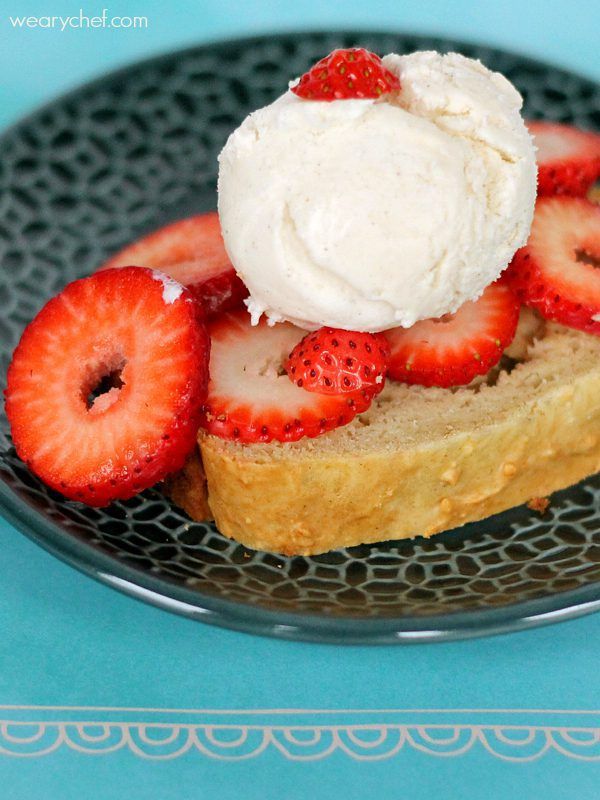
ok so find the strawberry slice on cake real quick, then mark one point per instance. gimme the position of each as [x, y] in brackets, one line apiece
[333, 361]
[568, 158]
[454, 349]
[557, 272]
[192, 252]
[250, 396]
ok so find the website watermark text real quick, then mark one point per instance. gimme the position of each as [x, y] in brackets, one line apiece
[78, 21]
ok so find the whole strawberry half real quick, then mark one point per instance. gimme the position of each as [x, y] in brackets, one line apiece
[105, 388]
[332, 361]
[557, 271]
[250, 397]
[568, 158]
[452, 350]
[192, 252]
[347, 74]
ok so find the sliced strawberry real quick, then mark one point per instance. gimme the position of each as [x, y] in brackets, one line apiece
[557, 271]
[347, 74]
[250, 397]
[568, 158]
[192, 252]
[332, 361]
[106, 385]
[452, 350]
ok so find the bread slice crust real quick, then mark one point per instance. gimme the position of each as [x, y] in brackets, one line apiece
[420, 461]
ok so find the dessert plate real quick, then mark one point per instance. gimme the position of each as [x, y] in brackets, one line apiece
[94, 170]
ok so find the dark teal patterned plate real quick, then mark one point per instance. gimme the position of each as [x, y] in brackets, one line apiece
[132, 151]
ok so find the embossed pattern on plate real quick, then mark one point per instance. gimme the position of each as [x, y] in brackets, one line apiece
[94, 170]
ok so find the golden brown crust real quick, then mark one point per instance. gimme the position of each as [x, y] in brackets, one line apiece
[539, 504]
[308, 507]
[536, 431]
[187, 488]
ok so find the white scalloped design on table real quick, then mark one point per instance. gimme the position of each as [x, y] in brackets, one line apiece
[229, 735]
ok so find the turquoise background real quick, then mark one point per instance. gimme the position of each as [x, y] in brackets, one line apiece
[67, 641]
[38, 64]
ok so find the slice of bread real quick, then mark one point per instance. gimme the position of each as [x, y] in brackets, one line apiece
[419, 461]
[187, 488]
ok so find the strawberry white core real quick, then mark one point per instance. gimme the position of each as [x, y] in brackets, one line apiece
[250, 367]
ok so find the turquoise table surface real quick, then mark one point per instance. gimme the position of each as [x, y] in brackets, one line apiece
[109, 698]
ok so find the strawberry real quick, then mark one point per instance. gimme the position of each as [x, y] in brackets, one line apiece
[105, 388]
[192, 252]
[568, 158]
[557, 271]
[250, 397]
[452, 350]
[347, 74]
[332, 361]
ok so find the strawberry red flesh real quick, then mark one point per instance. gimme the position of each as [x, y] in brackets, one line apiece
[568, 158]
[250, 397]
[347, 74]
[557, 272]
[192, 252]
[452, 350]
[333, 361]
[105, 388]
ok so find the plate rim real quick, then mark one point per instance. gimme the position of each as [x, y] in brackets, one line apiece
[63, 96]
[257, 619]
[310, 627]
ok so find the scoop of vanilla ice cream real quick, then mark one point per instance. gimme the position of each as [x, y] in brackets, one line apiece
[369, 214]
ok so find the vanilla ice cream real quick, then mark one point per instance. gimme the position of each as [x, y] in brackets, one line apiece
[369, 214]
